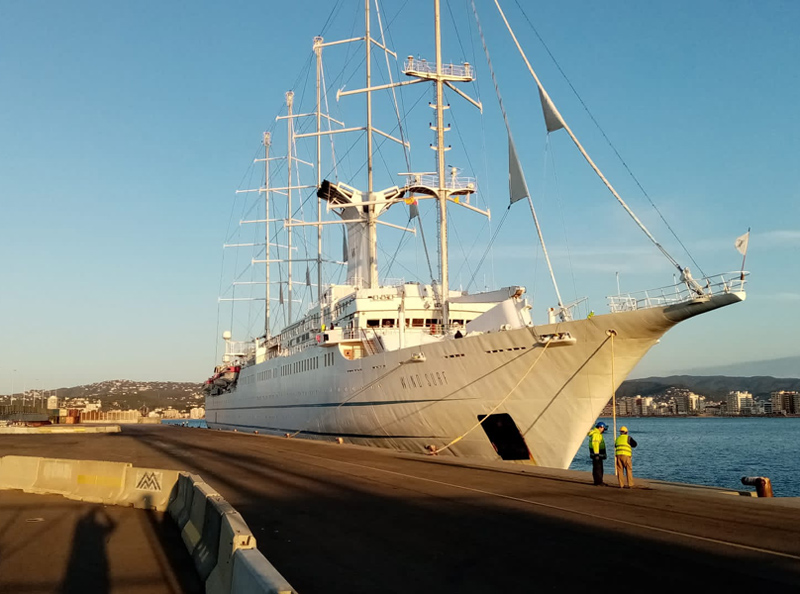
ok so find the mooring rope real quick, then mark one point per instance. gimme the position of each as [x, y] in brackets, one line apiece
[507, 396]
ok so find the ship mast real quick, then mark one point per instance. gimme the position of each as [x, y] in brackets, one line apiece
[442, 194]
[267, 141]
[318, 52]
[372, 235]
[290, 129]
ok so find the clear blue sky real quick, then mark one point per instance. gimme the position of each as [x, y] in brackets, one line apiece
[126, 127]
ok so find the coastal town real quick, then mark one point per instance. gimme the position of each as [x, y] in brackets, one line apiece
[683, 402]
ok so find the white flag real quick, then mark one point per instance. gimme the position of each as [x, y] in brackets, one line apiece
[741, 243]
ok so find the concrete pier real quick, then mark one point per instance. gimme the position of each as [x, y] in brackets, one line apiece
[337, 518]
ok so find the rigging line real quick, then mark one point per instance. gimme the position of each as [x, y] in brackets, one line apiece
[472, 247]
[499, 404]
[393, 89]
[485, 153]
[460, 245]
[328, 121]
[334, 10]
[404, 238]
[384, 140]
[410, 272]
[596, 123]
[472, 168]
[248, 171]
[424, 245]
[549, 151]
[363, 59]
[511, 145]
[489, 247]
[563, 124]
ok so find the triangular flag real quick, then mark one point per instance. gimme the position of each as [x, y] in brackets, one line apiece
[308, 278]
[552, 118]
[280, 295]
[413, 210]
[517, 188]
[344, 247]
[741, 243]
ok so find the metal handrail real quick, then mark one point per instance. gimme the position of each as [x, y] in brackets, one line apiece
[421, 65]
[726, 282]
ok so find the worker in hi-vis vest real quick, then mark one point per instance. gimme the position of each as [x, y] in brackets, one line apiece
[597, 452]
[622, 456]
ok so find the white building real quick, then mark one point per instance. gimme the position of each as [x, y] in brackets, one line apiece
[738, 402]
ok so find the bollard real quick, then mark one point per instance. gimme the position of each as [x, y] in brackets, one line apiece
[762, 484]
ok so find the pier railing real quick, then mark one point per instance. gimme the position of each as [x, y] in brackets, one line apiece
[693, 290]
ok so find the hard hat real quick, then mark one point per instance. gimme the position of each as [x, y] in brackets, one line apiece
[623, 429]
[602, 425]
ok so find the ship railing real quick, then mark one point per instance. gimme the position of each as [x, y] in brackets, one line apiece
[424, 66]
[431, 180]
[683, 292]
[239, 349]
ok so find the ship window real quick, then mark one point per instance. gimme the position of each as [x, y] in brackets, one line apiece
[388, 323]
[373, 323]
[460, 322]
[417, 323]
[506, 438]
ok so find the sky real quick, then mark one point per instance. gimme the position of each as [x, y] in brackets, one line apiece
[126, 128]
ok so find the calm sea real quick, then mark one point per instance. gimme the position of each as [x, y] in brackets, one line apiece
[710, 451]
[199, 423]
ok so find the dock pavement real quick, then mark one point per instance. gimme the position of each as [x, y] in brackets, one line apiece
[339, 518]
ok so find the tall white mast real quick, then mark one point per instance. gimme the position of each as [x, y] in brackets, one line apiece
[290, 128]
[318, 52]
[267, 140]
[372, 235]
[444, 287]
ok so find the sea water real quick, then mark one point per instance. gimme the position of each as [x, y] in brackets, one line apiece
[715, 451]
[200, 423]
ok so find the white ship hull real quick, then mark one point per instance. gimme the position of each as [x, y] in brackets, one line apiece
[552, 392]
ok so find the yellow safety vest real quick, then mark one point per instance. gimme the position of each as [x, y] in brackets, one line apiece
[597, 444]
[621, 446]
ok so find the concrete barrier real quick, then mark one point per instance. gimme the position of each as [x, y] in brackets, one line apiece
[148, 488]
[214, 533]
[193, 529]
[234, 535]
[112, 483]
[253, 574]
[85, 480]
[180, 502]
[18, 472]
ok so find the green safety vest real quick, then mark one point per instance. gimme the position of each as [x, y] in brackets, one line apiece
[622, 446]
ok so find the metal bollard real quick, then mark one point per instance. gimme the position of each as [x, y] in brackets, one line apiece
[762, 484]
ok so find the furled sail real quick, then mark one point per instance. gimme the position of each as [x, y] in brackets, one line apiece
[552, 118]
[517, 188]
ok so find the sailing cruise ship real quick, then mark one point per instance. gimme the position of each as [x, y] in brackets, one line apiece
[420, 366]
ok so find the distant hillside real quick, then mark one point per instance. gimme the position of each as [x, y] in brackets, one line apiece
[784, 367]
[714, 386]
[127, 394]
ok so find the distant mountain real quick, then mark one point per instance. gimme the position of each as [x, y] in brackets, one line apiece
[128, 394]
[784, 367]
[714, 386]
